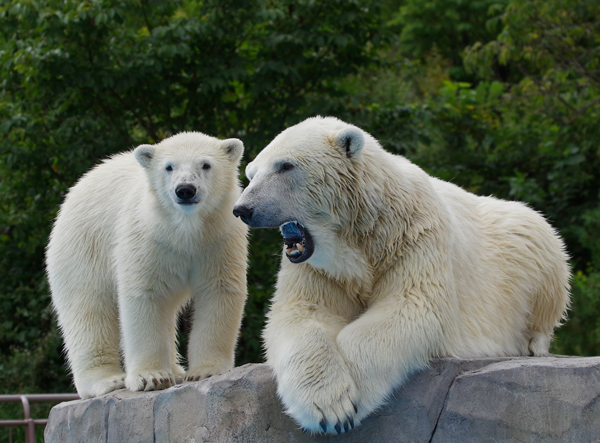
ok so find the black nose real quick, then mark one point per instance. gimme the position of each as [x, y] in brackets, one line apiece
[185, 192]
[243, 212]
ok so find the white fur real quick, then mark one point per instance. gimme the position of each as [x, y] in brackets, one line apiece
[124, 256]
[406, 268]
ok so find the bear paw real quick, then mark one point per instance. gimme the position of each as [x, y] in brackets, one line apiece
[538, 345]
[101, 386]
[323, 407]
[201, 372]
[149, 380]
[178, 373]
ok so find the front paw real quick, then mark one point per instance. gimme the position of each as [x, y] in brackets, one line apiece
[178, 373]
[325, 405]
[200, 372]
[93, 387]
[149, 380]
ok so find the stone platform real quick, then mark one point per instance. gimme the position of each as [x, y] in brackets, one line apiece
[551, 399]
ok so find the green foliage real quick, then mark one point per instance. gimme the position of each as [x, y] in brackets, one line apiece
[42, 364]
[581, 333]
[447, 26]
[544, 37]
[33, 370]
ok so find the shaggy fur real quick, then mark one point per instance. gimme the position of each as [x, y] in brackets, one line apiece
[405, 268]
[126, 250]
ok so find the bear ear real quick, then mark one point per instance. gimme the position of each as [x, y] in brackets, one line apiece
[143, 154]
[350, 141]
[233, 148]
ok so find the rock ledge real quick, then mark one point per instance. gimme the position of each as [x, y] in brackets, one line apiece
[551, 399]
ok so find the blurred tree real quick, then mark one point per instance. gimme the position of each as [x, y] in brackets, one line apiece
[447, 27]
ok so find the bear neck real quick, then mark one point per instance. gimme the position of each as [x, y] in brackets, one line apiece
[393, 213]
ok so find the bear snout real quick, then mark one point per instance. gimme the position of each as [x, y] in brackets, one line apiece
[185, 193]
[243, 212]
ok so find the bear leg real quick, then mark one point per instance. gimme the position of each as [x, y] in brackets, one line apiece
[313, 379]
[539, 344]
[390, 341]
[91, 334]
[214, 334]
[148, 326]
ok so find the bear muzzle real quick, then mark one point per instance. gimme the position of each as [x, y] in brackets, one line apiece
[187, 194]
[299, 245]
[244, 213]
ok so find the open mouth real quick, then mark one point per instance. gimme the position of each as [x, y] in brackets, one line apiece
[298, 242]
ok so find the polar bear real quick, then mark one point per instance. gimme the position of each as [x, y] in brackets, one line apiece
[135, 239]
[385, 267]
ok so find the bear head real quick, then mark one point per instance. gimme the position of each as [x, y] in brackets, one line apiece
[306, 183]
[191, 171]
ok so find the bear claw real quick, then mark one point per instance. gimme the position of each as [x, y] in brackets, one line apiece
[351, 420]
[149, 381]
[338, 428]
[323, 425]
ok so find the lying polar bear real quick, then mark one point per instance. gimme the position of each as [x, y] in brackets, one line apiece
[386, 267]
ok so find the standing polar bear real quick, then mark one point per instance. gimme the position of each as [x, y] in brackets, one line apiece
[386, 267]
[137, 237]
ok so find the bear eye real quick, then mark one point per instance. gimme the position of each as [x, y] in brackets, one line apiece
[169, 168]
[206, 166]
[287, 167]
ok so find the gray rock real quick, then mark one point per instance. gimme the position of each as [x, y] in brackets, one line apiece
[524, 400]
[553, 399]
